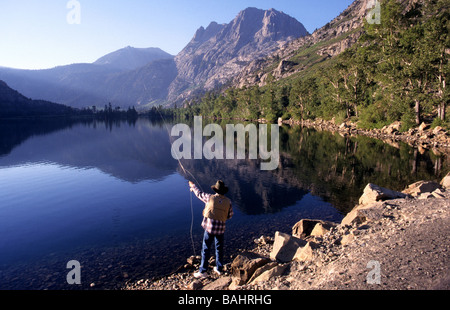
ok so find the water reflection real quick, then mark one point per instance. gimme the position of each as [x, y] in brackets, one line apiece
[338, 168]
[328, 165]
[132, 152]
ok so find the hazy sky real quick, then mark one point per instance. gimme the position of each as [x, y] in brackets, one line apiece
[37, 34]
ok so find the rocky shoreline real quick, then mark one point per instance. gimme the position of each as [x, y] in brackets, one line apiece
[423, 137]
[390, 240]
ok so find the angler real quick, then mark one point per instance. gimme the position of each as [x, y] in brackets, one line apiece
[217, 211]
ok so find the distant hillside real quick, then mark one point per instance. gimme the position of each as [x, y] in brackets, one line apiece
[85, 85]
[13, 104]
[144, 86]
[130, 58]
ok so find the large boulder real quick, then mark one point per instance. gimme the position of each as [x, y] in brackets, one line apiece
[244, 265]
[285, 246]
[421, 187]
[363, 213]
[353, 217]
[446, 181]
[373, 193]
[262, 269]
[303, 228]
[306, 227]
[311, 228]
[270, 273]
[322, 228]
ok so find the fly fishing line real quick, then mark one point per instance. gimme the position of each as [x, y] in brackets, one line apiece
[186, 172]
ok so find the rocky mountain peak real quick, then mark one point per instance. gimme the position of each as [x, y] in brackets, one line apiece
[254, 24]
[218, 52]
[276, 23]
[202, 35]
[341, 33]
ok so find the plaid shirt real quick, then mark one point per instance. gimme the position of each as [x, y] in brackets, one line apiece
[213, 227]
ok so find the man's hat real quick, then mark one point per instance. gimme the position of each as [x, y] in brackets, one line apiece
[220, 188]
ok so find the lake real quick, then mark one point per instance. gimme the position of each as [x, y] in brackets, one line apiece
[111, 196]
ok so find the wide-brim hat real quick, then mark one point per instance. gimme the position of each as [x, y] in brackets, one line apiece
[220, 188]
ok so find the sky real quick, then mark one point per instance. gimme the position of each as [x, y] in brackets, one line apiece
[40, 34]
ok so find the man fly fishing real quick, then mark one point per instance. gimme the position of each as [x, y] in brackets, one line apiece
[217, 211]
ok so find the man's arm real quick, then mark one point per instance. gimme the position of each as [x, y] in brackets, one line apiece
[200, 195]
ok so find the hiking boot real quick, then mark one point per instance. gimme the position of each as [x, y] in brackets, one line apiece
[200, 275]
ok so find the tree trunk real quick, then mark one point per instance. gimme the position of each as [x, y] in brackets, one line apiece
[443, 107]
[301, 107]
[355, 93]
[441, 77]
[441, 111]
[417, 111]
[414, 163]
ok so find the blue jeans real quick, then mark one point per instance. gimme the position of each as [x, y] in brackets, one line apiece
[207, 244]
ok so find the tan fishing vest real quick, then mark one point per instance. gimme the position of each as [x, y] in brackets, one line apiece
[217, 208]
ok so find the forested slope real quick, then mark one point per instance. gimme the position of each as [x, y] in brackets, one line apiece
[396, 71]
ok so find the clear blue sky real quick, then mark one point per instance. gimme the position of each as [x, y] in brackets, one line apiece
[35, 34]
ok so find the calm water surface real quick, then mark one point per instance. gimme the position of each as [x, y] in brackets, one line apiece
[111, 196]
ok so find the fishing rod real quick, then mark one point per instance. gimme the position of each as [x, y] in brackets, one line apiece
[186, 172]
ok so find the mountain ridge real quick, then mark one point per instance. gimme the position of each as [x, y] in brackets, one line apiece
[82, 84]
[130, 58]
[14, 104]
[213, 56]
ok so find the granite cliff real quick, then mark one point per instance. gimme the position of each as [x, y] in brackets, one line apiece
[219, 52]
[301, 53]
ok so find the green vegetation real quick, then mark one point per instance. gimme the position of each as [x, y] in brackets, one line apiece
[397, 71]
